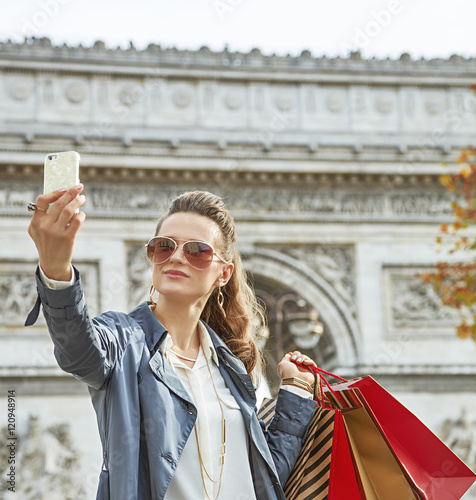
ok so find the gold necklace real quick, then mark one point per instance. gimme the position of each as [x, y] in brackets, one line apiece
[183, 357]
[222, 456]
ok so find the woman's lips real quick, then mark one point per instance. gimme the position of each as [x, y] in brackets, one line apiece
[173, 273]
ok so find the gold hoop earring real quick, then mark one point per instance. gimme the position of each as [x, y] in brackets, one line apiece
[221, 300]
[151, 292]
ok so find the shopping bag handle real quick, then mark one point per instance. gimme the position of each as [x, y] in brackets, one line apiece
[318, 378]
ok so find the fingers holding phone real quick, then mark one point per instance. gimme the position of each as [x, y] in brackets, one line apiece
[64, 206]
[57, 218]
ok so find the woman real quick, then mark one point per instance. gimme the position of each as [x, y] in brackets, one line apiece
[171, 381]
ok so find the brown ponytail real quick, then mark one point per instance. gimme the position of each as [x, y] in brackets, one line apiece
[239, 328]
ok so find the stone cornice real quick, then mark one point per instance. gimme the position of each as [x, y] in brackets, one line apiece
[236, 177]
[390, 157]
[170, 62]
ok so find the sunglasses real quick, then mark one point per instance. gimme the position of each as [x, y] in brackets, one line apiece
[198, 253]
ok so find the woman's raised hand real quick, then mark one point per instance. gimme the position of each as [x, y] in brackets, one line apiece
[294, 365]
[54, 231]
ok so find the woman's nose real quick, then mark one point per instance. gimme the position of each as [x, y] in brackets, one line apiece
[178, 255]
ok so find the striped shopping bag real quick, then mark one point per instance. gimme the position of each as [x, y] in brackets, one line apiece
[324, 468]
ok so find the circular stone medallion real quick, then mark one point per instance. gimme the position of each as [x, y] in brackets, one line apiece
[75, 92]
[20, 88]
[335, 103]
[182, 97]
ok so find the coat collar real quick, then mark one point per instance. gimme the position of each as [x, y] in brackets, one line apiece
[225, 356]
[154, 331]
[230, 364]
[155, 334]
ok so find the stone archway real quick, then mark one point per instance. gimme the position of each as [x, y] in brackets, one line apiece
[304, 312]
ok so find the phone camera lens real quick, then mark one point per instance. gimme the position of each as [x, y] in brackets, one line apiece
[50, 158]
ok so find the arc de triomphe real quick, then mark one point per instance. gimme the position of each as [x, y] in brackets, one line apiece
[330, 167]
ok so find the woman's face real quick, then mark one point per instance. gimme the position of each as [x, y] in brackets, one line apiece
[176, 278]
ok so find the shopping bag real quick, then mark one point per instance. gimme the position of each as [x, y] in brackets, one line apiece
[432, 469]
[344, 456]
[381, 476]
[324, 468]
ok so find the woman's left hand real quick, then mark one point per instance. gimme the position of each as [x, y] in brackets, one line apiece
[294, 365]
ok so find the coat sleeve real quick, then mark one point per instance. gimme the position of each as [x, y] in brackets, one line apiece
[85, 347]
[287, 431]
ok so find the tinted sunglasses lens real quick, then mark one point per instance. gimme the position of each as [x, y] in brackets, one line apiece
[198, 254]
[160, 249]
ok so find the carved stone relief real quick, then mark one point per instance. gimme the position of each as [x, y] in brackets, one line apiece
[334, 264]
[460, 436]
[385, 83]
[105, 198]
[335, 102]
[18, 291]
[130, 95]
[384, 103]
[47, 464]
[339, 202]
[284, 100]
[139, 274]
[234, 98]
[20, 88]
[264, 98]
[76, 92]
[182, 95]
[414, 305]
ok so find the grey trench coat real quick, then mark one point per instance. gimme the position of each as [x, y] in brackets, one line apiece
[144, 414]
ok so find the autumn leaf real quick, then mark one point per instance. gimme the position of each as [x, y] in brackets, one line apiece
[445, 180]
[465, 172]
[455, 281]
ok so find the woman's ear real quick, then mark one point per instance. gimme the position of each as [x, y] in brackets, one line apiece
[225, 275]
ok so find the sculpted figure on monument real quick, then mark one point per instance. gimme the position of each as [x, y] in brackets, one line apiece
[46, 463]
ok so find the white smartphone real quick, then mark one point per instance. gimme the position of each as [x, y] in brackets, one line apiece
[61, 171]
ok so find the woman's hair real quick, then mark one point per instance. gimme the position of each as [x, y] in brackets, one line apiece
[244, 318]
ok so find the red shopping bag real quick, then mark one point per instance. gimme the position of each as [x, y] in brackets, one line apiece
[430, 466]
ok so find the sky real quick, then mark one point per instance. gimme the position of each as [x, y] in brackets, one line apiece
[377, 28]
